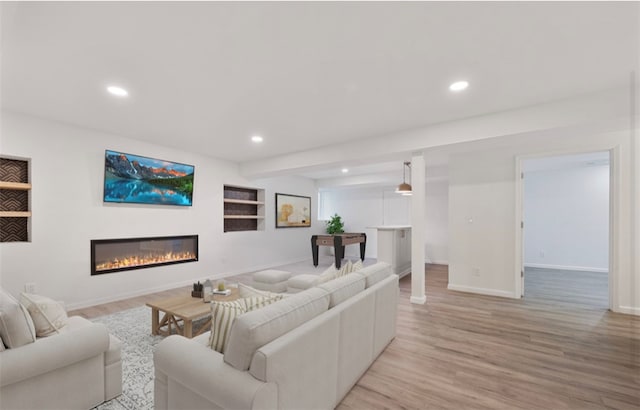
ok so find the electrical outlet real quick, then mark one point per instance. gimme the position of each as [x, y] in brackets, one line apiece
[542, 253]
[30, 287]
[476, 271]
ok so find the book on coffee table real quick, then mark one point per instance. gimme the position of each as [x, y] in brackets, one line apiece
[225, 292]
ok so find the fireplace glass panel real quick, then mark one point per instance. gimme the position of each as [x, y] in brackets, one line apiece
[113, 255]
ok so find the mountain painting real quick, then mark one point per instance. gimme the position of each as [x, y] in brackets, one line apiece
[134, 179]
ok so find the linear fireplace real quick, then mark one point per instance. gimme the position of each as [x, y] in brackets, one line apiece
[114, 255]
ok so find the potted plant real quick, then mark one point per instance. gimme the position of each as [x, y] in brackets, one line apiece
[335, 225]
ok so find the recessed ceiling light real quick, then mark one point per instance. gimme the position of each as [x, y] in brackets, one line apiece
[117, 91]
[345, 170]
[459, 86]
[257, 139]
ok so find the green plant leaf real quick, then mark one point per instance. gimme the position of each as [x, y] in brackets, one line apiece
[335, 225]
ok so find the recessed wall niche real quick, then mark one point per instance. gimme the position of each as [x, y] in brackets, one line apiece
[243, 209]
[15, 188]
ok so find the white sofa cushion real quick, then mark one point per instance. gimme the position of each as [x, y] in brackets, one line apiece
[303, 363]
[271, 280]
[357, 265]
[257, 328]
[2, 348]
[246, 291]
[345, 269]
[329, 274]
[387, 294]
[83, 340]
[16, 326]
[357, 318]
[302, 282]
[343, 288]
[48, 315]
[223, 314]
[375, 273]
[271, 276]
[196, 377]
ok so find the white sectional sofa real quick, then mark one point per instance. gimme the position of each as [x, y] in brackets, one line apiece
[305, 351]
[77, 369]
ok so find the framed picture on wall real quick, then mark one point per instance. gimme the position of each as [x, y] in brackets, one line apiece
[293, 211]
[135, 179]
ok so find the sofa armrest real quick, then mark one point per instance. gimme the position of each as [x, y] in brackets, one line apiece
[53, 352]
[203, 371]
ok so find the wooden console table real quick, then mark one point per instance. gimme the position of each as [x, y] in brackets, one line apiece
[338, 241]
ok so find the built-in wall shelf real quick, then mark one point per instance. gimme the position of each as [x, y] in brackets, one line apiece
[15, 214]
[20, 186]
[15, 205]
[243, 209]
[242, 201]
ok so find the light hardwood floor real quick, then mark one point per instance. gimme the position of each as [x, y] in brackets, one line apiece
[464, 351]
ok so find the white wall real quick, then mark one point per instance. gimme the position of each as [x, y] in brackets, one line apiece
[566, 216]
[482, 216]
[362, 208]
[437, 221]
[67, 175]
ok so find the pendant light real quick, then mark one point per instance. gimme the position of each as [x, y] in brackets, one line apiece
[404, 188]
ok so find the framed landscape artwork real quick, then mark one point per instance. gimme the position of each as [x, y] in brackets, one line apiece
[293, 211]
[135, 179]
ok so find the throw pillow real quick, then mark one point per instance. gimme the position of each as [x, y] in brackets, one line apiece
[357, 266]
[246, 291]
[48, 315]
[327, 275]
[2, 348]
[224, 313]
[345, 269]
[222, 316]
[16, 326]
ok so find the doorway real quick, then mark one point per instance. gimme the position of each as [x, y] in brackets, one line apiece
[566, 228]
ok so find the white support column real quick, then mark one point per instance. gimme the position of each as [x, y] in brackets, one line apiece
[418, 184]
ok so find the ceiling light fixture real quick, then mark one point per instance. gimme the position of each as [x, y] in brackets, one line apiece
[459, 86]
[345, 170]
[404, 188]
[257, 139]
[117, 91]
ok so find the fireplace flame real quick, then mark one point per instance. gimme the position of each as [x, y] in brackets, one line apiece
[140, 260]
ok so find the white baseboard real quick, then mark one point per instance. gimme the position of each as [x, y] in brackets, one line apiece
[402, 271]
[566, 267]
[421, 300]
[439, 262]
[629, 310]
[483, 291]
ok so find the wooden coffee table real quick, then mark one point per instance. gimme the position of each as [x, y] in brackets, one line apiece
[183, 309]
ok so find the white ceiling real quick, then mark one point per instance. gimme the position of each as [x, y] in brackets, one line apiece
[204, 76]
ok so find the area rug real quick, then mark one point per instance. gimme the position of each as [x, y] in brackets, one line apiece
[133, 328]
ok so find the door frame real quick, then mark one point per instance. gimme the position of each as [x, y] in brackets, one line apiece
[614, 218]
